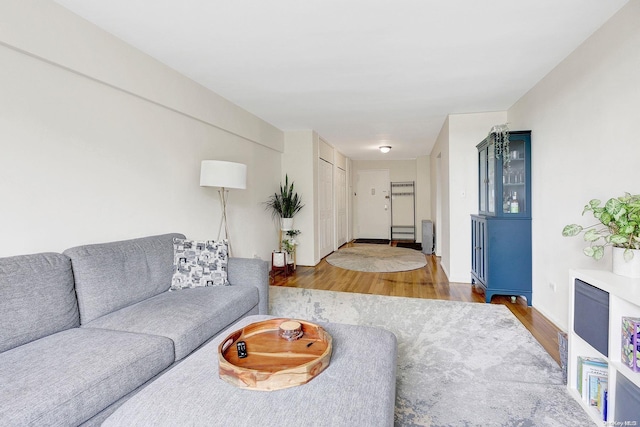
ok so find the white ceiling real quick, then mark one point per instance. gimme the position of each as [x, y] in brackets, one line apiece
[363, 73]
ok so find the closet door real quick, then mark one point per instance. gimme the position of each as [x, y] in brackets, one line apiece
[341, 207]
[325, 208]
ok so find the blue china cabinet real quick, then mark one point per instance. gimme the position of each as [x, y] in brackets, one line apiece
[501, 231]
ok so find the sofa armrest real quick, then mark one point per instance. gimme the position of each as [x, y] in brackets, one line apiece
[251, 272]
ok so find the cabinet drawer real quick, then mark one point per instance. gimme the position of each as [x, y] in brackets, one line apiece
[627, 401]
[591, 317]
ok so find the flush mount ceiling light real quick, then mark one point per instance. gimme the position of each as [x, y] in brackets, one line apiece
[385, 148]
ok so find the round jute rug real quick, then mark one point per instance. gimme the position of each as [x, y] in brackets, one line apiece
[377, 258]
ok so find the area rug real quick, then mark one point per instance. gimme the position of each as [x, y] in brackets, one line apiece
[377, 258]
[459, 364]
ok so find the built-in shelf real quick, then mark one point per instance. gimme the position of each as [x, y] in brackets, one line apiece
[623, 301]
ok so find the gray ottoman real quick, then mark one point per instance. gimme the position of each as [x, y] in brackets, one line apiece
[357, 389]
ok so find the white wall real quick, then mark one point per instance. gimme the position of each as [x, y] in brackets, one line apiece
[423, 193]
[350, 204]
[399, 170]
[303, 149]
[585, 145]
[298, 163]
[440, 177]
[100, 142]
[456, 145]
[465, 132]
[47, 30]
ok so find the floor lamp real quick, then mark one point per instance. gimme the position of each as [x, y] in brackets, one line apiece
[224, 175]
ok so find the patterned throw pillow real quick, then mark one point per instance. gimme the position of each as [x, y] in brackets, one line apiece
[199, 263]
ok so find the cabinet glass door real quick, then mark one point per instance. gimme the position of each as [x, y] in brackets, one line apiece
[491, 179]
[483, 180]
[514, 179]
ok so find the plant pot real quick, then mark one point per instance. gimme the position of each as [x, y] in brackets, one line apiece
[278, 259]
[629, 268]
[286, 224]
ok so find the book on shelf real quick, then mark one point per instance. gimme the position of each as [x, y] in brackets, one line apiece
[592, 381]
[597, 394]
[586, 366]
[631, 343]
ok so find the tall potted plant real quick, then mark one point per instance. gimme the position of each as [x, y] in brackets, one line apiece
[619, 227]
[285, 204]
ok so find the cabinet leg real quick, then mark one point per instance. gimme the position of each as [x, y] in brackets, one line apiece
[473, 285]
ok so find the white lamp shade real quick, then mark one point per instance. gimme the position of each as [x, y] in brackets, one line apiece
[218, 173]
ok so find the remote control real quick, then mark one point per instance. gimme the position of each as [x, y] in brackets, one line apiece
[242, 349]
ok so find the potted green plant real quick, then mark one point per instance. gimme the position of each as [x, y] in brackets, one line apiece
[285, 204]
[619, 227]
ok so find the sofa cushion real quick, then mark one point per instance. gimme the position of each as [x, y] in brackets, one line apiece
[66, 378]
[251, 272]
[36, 298]
[189, 317]
[113, 275]
[199, 263]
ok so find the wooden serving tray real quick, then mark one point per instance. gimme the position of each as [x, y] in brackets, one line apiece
[273, 363]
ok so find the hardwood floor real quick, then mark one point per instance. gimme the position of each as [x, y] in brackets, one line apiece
[429, 282]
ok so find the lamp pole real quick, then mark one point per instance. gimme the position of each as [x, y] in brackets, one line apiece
[224, 193]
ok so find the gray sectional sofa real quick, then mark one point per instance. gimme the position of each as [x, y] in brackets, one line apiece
[82, 331]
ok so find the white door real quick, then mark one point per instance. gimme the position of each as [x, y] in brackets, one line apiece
[372, 204]
[325, 208]
[341, 207]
